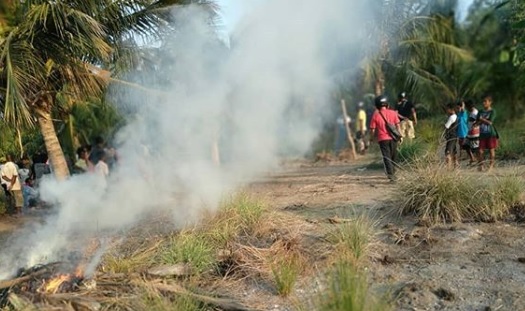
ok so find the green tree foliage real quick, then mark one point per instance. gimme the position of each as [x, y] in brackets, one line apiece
[54, 54]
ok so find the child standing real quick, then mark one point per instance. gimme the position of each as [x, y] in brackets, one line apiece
[451, 136]
[488, 136]
[472, 145]
[462, 128]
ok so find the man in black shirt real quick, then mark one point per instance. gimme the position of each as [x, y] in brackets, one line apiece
[408, 116]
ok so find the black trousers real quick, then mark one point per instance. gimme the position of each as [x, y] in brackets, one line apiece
[389, 152]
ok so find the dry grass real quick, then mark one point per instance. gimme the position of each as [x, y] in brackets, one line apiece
[117, 261]
[243, 241]
[436, 195]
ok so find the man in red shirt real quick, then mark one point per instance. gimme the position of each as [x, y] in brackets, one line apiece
[379, 131]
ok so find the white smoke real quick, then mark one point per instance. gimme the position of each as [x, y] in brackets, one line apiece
[267, 96]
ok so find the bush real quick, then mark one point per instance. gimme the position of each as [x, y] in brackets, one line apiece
[436, 194]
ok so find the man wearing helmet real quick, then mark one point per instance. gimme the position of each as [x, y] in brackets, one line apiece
[380, 132]
[408, 116]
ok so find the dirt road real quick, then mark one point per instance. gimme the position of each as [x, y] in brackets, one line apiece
[475, 266]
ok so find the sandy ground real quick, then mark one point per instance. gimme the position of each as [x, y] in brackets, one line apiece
[470, 266]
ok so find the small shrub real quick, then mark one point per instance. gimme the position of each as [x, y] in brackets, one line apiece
[189, 247]
[349, 291]
[285, 273]
[436, 194]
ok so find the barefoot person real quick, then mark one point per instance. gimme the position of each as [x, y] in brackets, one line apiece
[462, 128]
[14, 187]
[488, 136]
[451, 136]
[379, 131]
[472, 145]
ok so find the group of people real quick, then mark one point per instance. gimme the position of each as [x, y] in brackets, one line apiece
[407, 121]
[471, 130]
[19, 179]
[98, 159]
[466, 129]
[18, 186]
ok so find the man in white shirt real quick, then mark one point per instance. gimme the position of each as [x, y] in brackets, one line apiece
[102, 169]
[9, 174]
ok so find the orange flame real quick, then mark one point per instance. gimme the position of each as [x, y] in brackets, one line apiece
[79, 271]
[53, 285]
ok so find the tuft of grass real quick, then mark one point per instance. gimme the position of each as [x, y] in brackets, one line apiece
[189, 247]
[352, 239]
[239, 215]
[436, 194]
[117, 262]
[151, 299]
[199, 246]
[285, 272]
[348, 290]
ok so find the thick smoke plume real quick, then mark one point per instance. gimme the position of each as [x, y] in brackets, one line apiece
[265, 96]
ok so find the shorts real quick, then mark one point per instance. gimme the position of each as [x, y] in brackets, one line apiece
[488, 143]
[407, 129]
[451, 146]
[472, 143]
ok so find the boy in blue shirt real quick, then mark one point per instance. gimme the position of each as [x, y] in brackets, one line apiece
[462, 126]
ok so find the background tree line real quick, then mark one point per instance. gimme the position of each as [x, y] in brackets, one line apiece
[57, 59]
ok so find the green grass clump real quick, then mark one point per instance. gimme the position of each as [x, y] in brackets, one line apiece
[436, 194]
[411, 151]
[199, 246]
[189, 247]
[348, 290]
[353, 238]
[511, 144]
[285, 273]
[238, 215]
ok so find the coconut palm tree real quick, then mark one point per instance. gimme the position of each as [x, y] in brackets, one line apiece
[68, 48]
[415, 39]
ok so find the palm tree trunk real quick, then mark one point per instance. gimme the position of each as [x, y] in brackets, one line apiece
[19, 139]
[54, 150]
[348, 131]
[379, 84]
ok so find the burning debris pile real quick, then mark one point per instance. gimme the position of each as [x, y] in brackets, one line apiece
[40, 284]
[54, 287]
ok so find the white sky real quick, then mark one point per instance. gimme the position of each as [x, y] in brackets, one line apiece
[233, 10]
